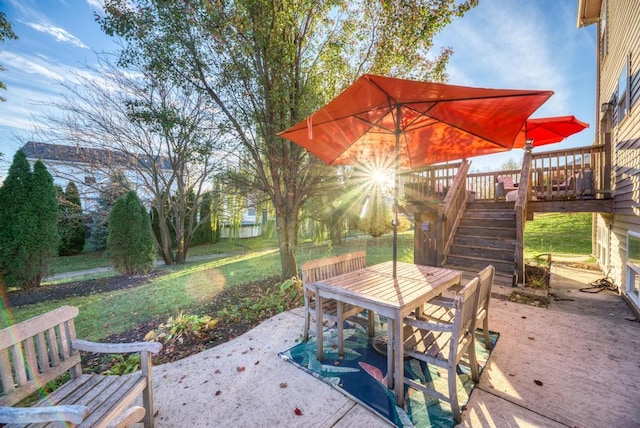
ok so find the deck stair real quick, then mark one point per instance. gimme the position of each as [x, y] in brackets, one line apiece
[486, 235]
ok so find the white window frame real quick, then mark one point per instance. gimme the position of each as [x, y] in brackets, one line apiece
[623, 93]
[604, 44]
[633, 274]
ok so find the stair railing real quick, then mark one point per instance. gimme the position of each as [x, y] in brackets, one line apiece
[523, 196]
[451, 210]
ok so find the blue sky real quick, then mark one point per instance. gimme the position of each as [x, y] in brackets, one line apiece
[516, 44]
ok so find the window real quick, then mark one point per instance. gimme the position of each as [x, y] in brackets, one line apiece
[603, 30]
[622, 99]
[633, 267]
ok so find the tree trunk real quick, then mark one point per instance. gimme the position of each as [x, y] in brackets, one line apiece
[165, 239]
[287, 236]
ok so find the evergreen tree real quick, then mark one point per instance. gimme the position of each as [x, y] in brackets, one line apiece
[14, 197]
[28, 223]
[130, 243]
[70, 224]
[43, 238]
[99, 218]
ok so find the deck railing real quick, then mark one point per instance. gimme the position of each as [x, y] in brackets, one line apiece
[428, 184]
[569, 173]
[452, 208]
[483, 185]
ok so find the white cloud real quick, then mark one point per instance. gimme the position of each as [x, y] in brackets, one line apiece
[96, 4]
[60, 34]
[28, 64]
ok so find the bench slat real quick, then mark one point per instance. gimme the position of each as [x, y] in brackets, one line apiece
[6, 373]
[19, 369]
[41, 349]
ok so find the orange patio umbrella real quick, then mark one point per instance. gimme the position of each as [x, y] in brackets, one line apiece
[548, 130]
[408, 124]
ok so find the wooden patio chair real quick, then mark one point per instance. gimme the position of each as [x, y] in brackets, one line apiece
[444, 345]
[440, 308]
[317, 270]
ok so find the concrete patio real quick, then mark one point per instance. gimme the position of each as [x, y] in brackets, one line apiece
[574, 364]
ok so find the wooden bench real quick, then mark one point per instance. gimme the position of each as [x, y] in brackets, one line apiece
[319, 269]
[41, 349]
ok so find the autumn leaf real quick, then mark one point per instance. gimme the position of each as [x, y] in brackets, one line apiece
[297, 411]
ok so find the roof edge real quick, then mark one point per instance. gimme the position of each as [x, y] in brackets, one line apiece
[588, 12]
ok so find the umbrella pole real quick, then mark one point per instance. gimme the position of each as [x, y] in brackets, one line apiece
[395, 191]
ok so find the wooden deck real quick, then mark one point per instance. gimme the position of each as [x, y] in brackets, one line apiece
[563, 181]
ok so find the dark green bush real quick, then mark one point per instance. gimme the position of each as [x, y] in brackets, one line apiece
[130, 243]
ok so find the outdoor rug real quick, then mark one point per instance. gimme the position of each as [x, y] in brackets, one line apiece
[361, 375]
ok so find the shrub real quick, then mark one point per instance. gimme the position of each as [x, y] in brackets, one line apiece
[70, 222]
[130, 243]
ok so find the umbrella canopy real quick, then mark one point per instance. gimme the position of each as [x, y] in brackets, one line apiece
[548, 130]
[425, 122]
[410, 124]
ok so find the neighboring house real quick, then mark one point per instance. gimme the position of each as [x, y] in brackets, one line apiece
[89, 168]
[92, 168]
[249, 226]
[617, 236]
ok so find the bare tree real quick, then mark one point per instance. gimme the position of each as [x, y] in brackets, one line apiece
[164, 133]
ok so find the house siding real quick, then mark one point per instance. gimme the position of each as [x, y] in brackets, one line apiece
[623, 32]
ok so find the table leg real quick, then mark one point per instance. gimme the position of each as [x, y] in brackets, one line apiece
[390, 357]
[340, 329]
[372, 328]
[398, 357]
[319, 332]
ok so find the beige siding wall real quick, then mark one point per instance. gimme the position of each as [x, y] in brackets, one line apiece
[623, 28]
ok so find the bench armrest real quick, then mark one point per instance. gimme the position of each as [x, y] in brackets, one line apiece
[116, 348]
[24, 415]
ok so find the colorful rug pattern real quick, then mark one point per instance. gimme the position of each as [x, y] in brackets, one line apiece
[361, 375]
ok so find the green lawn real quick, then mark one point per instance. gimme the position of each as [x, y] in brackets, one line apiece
[187, 285]
[559, 234]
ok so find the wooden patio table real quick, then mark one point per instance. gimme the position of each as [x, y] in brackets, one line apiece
[374, 288]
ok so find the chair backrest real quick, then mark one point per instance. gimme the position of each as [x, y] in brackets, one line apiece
[484, 294]
[464, 322]
[507, 181]
[36, 351]
[319, 269]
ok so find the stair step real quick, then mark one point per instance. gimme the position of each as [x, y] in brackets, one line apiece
[500, 206]
[500, 278]
[488, 222]
[489, 215]
[477, 263]
[493, 232]
[486, 242]
[506, 254]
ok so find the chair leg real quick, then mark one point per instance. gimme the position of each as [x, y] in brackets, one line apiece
[307, 322]
[485, 330]
[453, 394]
[473, 361]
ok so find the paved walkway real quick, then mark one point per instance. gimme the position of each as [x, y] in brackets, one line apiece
[575, 364]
